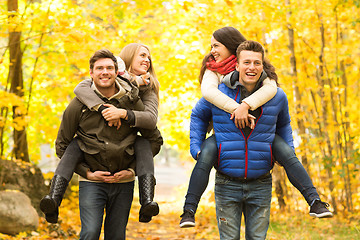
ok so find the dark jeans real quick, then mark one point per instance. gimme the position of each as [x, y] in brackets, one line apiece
[200, 175]
[144, 156]
[68, 162]
[295, 171]
[115, 198]
[73, 156]
[282, 152]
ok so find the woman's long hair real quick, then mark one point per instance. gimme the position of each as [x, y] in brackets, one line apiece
[231, 38]
[128, 53]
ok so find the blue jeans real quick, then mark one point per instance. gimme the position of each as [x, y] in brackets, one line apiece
[200, 175]
[115, 198]
[295, 171]
[234, 198]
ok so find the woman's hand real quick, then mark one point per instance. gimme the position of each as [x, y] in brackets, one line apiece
[240, 115]
[242, 118]
[115, 123]
[114, 115]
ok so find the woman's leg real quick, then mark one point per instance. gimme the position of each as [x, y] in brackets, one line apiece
[199, 180]
[298, 176]
[147, 182]
[63, 173]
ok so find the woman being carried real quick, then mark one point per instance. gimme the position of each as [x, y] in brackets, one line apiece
[137, 68]
[219, 62]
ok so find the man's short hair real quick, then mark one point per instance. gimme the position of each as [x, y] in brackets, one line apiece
[250, 46]
[103, 53]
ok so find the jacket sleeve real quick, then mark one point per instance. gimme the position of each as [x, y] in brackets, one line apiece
[210, 91]
[68, 127]
[283, 127]
[199, 121]
[87, 96]
[82, 169]
[148, 118]
[262, 95]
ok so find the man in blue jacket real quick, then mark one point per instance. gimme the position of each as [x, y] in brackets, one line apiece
[243, 180]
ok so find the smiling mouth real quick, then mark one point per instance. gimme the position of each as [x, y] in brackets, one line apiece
[251, 74]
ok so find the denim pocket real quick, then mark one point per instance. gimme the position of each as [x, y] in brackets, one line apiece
[219, 179]
[266, 180]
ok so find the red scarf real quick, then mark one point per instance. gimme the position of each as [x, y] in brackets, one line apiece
[223, 67]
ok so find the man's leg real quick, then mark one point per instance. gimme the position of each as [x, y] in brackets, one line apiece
[228, 198]
[92, 200]
[118, 210]
[257, 208]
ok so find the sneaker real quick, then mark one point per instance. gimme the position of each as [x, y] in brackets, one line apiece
[319, 210]
[187, 219]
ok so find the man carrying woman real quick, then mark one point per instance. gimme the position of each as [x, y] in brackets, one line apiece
[219, 66]
[99, 151]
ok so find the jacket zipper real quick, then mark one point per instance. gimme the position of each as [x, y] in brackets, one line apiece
[246, 157]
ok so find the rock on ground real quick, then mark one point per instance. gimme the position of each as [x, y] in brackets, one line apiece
[16, 213]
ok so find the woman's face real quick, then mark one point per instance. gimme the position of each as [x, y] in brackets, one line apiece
[219, 51]
[141, 62]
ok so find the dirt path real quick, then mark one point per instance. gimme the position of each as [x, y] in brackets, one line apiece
[170, 191]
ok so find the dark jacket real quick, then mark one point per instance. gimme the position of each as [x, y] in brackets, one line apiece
[105, 148]
[242, 155]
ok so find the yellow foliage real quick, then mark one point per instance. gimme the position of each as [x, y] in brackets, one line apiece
[58, 37]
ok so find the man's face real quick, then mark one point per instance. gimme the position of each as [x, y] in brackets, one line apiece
[103, 73]
[250, 67]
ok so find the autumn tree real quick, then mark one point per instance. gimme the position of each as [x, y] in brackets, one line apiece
[15, 77]
[312, 44]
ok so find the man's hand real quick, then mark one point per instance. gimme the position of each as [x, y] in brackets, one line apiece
[102, 176]
[121, 176]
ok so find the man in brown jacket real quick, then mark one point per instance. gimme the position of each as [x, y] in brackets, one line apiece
[108, 182]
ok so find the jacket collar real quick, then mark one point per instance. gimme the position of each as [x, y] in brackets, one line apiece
[121, 91]
[234, 80]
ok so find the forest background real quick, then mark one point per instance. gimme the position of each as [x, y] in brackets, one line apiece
[45, 46]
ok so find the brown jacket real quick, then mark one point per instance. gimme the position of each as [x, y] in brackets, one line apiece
[105, 148]
[145, 118]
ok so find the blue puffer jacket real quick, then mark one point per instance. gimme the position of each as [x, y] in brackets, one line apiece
[238, 156]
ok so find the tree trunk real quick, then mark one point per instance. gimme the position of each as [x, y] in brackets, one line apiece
[324, 104]
[346, 143]
[16, 79]
[280, 186]
[300, 121]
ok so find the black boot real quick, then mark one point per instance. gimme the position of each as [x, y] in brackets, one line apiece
[51, 202]
[149, 208]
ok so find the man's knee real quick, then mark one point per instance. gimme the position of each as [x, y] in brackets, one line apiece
[89, 233]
